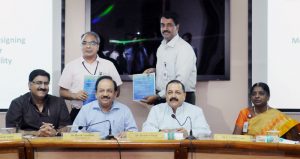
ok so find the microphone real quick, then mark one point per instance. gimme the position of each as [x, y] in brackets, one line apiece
[109, 136]
[190, 137]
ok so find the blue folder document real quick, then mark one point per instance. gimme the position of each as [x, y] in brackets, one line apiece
[89, 88]
[143, 85]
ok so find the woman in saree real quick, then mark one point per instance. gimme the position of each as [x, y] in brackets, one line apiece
[260, 118]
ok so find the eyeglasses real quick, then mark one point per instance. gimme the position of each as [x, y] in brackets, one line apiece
[40, 83]
[91, 43]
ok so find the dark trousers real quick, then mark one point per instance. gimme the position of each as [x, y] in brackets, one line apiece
[189, 98]
[74, 113]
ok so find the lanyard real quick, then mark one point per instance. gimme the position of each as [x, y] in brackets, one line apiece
[88, 70]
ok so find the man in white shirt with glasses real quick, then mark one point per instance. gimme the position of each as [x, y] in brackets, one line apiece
[89, 64]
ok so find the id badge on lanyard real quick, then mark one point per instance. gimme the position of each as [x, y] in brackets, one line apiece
[246, 124]
[165, 72]
[245, 127]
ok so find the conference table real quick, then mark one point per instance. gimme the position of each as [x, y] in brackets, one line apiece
[12, 149]
[58, 148]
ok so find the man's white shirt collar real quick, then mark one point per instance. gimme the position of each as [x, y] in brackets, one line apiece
[172, 42]
[97, 59]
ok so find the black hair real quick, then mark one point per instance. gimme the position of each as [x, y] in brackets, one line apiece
[108, 78]
[176, 81]
[264, 86]
[171, 15]
[38, 72]
[91, 33]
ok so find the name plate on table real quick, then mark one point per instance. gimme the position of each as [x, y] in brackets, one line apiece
[81, 136]
[13, 136]
[228, 137]
[145, 135]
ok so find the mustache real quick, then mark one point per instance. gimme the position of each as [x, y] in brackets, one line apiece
[105, 97]
[41, 89]
[166, 31]
[174, 98]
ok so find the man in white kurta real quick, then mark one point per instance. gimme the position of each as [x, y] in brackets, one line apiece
[160, 116]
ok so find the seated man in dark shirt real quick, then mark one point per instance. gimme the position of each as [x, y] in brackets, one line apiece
[36, 112]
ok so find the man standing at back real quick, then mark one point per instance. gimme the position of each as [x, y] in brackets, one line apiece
[90, 64]
[175, 60]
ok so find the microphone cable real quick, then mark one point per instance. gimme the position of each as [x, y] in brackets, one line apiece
[181, 147]
[191, 147]
[119, 148]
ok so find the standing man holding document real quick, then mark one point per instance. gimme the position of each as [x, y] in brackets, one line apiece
[175, 60]
[90, 64]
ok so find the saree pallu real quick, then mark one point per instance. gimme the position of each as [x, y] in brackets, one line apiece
[271, 120]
